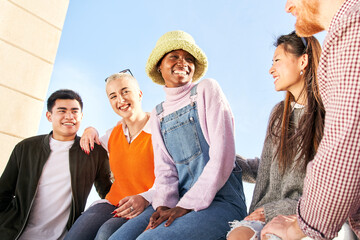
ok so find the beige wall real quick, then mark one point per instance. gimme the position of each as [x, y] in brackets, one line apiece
[29, 37]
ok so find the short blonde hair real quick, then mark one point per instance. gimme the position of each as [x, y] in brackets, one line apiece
[117, 76]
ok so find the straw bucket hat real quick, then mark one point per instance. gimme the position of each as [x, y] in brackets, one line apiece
[171, 41]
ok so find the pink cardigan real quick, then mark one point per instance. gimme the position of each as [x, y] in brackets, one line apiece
[217, 124]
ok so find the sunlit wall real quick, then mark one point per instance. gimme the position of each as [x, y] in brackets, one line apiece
[29, 37]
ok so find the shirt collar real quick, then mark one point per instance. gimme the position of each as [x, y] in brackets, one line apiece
[341, 12]
[147, 127]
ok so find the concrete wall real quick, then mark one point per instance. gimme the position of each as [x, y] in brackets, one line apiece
[29, 37]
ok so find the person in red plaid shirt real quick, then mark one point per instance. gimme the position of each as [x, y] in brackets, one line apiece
[331, 193]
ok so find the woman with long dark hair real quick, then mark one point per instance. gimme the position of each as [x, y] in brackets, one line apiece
[294, 133]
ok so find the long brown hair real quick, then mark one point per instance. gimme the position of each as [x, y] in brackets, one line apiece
[301, 144]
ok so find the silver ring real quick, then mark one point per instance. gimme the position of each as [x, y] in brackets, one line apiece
[131, 209]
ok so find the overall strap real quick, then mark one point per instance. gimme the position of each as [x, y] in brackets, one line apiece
[193, 91]
[193, 94]
[160, 110]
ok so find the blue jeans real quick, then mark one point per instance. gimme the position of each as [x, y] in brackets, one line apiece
[95, 223]
[210, 223]
[134, 227]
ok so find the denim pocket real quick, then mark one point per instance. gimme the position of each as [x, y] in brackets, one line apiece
[237, 171]
[237, 181]
[233, 188]
[182, 140]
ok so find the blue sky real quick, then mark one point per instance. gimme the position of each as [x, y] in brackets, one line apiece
[103, 37]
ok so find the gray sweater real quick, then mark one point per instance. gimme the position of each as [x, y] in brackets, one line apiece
[276, 193]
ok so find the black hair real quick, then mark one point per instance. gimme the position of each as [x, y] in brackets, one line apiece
[304, 141]
[63, 94]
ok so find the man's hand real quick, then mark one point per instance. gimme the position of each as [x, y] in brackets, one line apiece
[285, 227]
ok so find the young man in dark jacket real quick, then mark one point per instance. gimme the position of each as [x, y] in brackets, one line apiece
[48, 178]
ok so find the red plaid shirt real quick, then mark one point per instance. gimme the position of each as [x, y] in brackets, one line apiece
[332, 183]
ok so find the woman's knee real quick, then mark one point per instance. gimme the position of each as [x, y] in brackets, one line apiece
[109, 227]
[104, 233]
[241, 233]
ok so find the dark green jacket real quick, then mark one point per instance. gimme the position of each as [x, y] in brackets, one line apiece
[19, 181]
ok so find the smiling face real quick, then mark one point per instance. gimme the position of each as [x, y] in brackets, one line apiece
[124, 96]
[177, 68]
[286, 72]
[307, 16]
[65, 117]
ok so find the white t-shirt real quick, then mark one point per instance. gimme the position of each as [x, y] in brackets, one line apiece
[51, 207]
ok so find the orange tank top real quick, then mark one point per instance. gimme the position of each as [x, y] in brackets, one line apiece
[132, 164]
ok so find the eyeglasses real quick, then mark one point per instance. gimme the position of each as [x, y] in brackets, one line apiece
[123, 71]
[302, 39]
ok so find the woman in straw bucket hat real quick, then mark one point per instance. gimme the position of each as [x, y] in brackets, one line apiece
[198, 189]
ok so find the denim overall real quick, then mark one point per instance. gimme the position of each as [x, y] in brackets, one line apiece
[185, 142]
[189, 150]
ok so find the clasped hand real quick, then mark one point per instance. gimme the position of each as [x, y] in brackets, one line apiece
[166, 214]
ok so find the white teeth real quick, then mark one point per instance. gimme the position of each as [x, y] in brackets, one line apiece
[124, 107]
[180, 72]
[69, 124]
